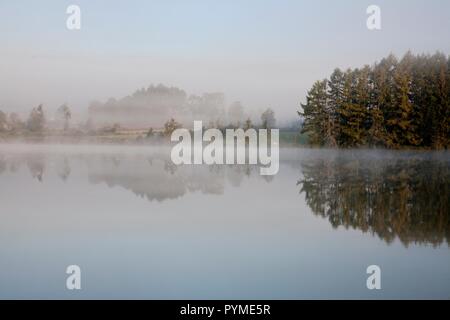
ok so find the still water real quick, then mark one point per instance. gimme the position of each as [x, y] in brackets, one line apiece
[140, 227]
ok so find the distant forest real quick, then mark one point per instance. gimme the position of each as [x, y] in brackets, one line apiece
[157, 107]
[152, 106]
[392, 104]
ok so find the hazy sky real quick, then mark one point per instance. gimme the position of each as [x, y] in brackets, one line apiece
[263, 53]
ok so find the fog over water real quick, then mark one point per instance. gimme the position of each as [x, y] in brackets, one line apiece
[141, 227]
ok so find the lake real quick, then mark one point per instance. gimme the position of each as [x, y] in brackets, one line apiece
[140, 227]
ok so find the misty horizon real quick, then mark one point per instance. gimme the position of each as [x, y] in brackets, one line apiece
[260, 55]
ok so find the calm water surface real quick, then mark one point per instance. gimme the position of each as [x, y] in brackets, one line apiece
[140, 227]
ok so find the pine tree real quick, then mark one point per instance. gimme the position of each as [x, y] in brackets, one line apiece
[402, 129]
[383, 86]
[447, 110]
[441, 134]
[420, 97]
[431, 99]
[374, 124]
[393, 104]
[352, 113]
[363, 101]
[316, 119]
[335, 101]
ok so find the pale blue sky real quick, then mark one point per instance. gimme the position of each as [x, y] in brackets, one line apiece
[264, 53]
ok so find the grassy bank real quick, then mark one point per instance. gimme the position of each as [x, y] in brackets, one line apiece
[122, 136]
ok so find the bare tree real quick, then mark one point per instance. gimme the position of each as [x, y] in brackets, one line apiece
[63, 113]
[3, 121]
[268, 119]
[36, 121]
[170, 126]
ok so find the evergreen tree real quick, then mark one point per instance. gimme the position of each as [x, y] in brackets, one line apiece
[402, 129]
[384, 84]
[316, 119]
[363, 103]
[441, 133]
[393, 104]
[352, 112]
[420, 97]
[374, 124]
[335, 101]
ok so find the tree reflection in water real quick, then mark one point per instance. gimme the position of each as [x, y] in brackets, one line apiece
[392, 195]
[406, 197]
[153, 176]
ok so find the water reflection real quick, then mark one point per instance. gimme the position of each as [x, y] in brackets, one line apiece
[63, 168]
[390, 195]
[153, 177]
[36, 165]
[3, 164]
[406, 197]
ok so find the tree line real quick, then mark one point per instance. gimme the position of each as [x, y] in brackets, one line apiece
[404, 198]
[392, 104]
[36, 121]
[153, 105]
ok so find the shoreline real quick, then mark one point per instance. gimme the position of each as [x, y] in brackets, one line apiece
[130, 140]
